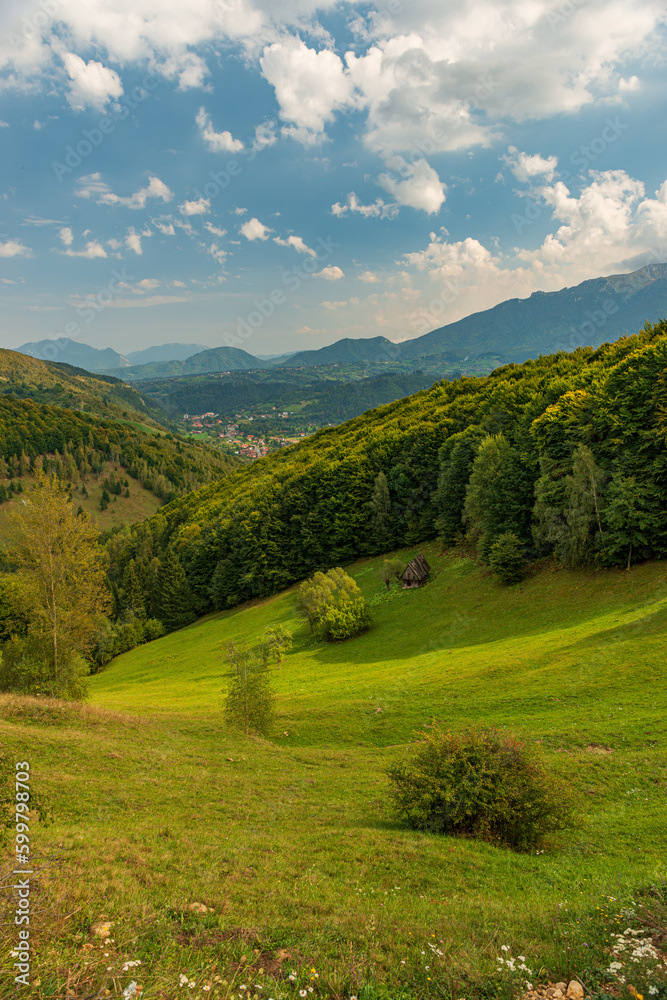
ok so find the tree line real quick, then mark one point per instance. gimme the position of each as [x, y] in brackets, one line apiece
[566, 453]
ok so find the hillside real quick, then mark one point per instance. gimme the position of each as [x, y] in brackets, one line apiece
[588, 417]
[343, 352]
[164, 352]
[70, 352]
[74, 389]
[88, 452]
[289, 842]
[214, 360]
[590, 313]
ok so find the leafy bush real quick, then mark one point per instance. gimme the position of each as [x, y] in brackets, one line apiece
[479, 783]
[333, 606]
[506, 558]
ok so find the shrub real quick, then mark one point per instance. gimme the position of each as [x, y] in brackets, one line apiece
[479, 783]
[333, 606]
[506, 558]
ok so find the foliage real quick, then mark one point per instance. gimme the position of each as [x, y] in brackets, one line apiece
[391, 569]
[506, 558]
[278, 642]
[479, 783]
[539, 445]
[333, 605]
[63, 589]
[249, 702]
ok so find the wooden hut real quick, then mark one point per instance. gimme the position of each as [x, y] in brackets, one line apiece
[415, 573]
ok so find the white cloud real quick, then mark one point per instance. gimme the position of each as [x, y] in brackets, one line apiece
[239, 211]
[133, 242]
[265, 135]
[4, 124]
[93, 249]
[297, 243]
[215, 229]
[166, 228]
[253, 229]
[420, 187]
[92, 186]
[217, 253]
[66, 236]
[369, 278]
[379, 208]
[147, 284]
[330, 273]
[526, 166]
[309, 86]
[147, 302]
[93, 84]
[14, 249]
[217, 142]
[199, 207]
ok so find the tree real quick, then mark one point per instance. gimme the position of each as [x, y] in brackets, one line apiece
[63, 580]
[249, 699]
[455, 468]
[333, 605]
[506, 558]
[486, 467]
[633, 516]
[584, 491]
[382, 515]
[174, 600]
[390, 569]
[279, 642]
[105, 499]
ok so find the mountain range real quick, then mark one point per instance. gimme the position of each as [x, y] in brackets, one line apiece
[588, 314]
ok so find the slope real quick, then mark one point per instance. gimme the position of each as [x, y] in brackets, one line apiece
[289, 842]
[214, 360]
[73, 388]
[590, 313]
[71, 352]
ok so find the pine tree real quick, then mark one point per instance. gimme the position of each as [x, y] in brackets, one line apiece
[382, 516]
[174, 600]
[133, 595]
[633, 517]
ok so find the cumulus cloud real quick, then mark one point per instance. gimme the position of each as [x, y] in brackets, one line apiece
[93, 84]
[309, 86]
[166, 228]
[420, 187]
[147, 285]
[133, 242]
[253, 229]
[369, 278]
[265, 135]
[92, 186]
[297, 243]
[92, 249]
[330, 273]
[217, 142]
[12, 248]
[526, 166]
[199, 207]
[379, 208]
[215, 229]
[66, 235]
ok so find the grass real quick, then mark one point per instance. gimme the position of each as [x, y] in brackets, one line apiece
[289, 841]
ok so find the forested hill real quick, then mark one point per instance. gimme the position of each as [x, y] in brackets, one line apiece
[568, 452]
[37, 436]
[73, 388]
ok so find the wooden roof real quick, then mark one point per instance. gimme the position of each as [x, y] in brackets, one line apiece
[418, 569]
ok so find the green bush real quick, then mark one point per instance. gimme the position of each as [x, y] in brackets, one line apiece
[479, 783]
[333, 606]
[506, 558]
[338, 623]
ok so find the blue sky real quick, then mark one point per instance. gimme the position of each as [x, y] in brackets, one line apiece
[275, 176]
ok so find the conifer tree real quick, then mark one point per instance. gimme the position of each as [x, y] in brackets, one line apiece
[381, 514]
[174, 600]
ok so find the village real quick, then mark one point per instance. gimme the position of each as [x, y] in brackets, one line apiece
[236, 438]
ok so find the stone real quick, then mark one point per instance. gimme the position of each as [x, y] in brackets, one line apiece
[102, 929]
[198, 908]
[575, 990]
[562, 987]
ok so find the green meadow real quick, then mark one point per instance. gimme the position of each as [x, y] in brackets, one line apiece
[289, 843]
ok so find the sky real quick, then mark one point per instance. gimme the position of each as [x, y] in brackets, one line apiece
[277, 175]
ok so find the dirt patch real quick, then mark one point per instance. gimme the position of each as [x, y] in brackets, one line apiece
[599, 749]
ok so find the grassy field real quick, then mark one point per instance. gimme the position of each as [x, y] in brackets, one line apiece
[289, 842]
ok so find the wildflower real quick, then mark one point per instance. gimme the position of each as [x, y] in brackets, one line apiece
[652, 990]
[310, 989]
[302, 993]
[207, 987]
[182, 980]
[504, 947]
[292, 977]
